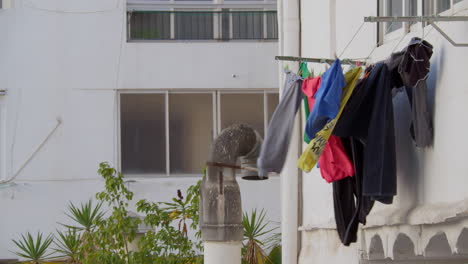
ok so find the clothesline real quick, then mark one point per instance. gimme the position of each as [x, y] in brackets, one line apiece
[318, 60]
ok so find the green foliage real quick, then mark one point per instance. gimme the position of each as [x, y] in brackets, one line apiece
[255, 228]
[172, 220]
[96, 237]
[34, 250]
[86, 216]
[109, 242]
[68, 245]
[275, 255]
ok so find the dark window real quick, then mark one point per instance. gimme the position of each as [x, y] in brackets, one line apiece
[412, 8]
[242, 108]
[443, 5]
[143, 138]
[247, 25]
[394, 8]
[272, 25]
[191, 131]
[150, 25]
[194, 25]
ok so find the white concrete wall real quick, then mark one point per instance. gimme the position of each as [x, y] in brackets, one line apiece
[66, 59]
[426, 177]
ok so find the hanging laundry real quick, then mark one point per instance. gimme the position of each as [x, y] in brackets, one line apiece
[334, 163]
[328, 99]
[306, 74]
[369, 118]
[275, 146]
[306, 113]
[313, 151]
[309, 88]
[350, 206]
[410, 68]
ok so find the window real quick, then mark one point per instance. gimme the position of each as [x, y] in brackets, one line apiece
[435, 7]
[143, 134]
[150, 25]
[226, 24]
[193, 25]
[170, 133]
[242, 108]
[395, 8]
[247, 25]
[191, 131]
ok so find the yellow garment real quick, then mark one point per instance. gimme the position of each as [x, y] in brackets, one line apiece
[313, 151]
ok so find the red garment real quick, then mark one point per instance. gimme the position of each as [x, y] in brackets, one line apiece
[310, 87]
[334, 162]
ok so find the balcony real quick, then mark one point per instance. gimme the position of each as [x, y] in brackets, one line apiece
[202, 26]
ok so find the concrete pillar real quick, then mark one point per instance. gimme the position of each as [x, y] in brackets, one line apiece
[222, 252]
[289, 15]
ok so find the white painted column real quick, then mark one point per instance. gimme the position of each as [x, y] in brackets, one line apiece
[222, 252]
[289, 15]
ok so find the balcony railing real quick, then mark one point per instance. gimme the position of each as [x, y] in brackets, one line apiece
[202, 25]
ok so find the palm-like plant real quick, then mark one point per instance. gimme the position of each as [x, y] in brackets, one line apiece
[255, 227]
[34, 250]
[86, 216]
[68, 245]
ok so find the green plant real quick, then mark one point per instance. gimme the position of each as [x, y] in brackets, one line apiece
[114, 233]
[172, 220]
[275, 255]
[86, 216]
[34, 250]
[255, 227]
[95, 237]
[68, 245]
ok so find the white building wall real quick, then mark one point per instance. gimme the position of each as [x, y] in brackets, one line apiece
[432, 181]
[64, 60]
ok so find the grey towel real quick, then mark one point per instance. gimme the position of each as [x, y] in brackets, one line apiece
[276, 143]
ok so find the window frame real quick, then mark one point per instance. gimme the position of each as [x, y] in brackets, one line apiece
[210, 6]
[216, 99]
[383, 37]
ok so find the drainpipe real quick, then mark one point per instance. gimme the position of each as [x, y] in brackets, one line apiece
[220, 200]
[290, 176]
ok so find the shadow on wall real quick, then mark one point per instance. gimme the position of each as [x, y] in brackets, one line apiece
[436, 64]
[409, 161]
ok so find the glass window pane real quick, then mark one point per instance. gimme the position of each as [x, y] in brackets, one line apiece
[412, 8]
[443, 5]
[194, 25]
[273, 100]
[143, 138]
[272, 25]
[150, 25]
[428, 7]
[247, 25]
[394, 8]
[242, 108]
[191, 131]
[225, 24]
